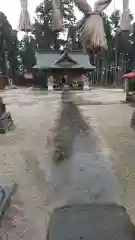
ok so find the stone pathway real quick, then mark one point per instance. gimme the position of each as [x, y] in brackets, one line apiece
[101, 150]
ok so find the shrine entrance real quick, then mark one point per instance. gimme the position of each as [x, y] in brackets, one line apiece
[63, 67]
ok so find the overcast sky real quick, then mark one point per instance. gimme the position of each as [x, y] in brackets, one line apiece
[12, 8]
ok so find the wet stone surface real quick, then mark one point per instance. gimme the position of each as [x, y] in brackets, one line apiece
[95, 221]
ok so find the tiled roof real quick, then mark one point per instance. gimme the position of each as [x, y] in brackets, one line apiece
[48, 60]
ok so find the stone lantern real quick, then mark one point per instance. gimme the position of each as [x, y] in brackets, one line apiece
[6, 122]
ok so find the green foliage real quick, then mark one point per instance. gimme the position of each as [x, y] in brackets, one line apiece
[6, 39]
[13, 55]
[120, 56]
[27, 53]
[21, 55]
[115, 20]
[45, 37]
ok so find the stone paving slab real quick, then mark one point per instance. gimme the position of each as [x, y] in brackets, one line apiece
[90, 222]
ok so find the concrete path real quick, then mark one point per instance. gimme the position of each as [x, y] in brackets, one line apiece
[86, 174]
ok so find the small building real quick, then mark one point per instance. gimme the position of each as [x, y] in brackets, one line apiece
[62, 63]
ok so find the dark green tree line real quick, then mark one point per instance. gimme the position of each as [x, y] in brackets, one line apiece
[19, 56]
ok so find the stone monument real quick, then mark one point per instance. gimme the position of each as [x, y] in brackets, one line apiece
[6, 122]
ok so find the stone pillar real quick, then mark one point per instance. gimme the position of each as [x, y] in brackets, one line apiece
[133, 121]
[6, 122]
[126, 87]
[2, 107]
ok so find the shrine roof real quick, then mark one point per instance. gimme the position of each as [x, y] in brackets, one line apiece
[57, 59]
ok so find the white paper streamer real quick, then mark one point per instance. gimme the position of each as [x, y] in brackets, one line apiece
[24, 23]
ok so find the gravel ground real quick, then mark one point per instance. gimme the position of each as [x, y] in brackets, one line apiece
[21, 154]
[25, 153]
